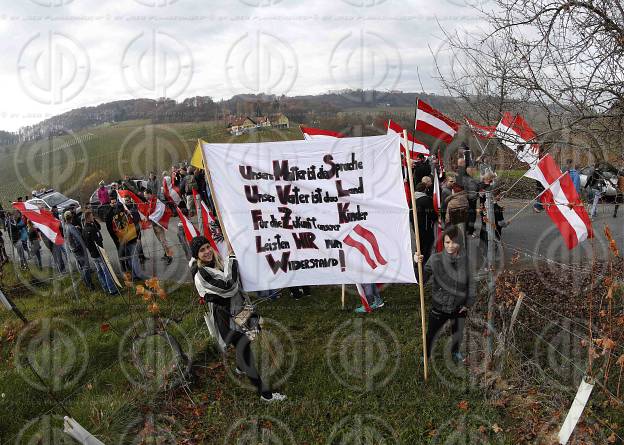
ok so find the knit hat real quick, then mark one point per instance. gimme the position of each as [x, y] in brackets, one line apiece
[197, 243]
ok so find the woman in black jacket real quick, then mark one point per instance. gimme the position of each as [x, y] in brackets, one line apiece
[453, 290]
[218, 285]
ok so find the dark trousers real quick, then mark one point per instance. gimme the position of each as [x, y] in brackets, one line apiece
[472, 216]
[437, 320]
[247, 363]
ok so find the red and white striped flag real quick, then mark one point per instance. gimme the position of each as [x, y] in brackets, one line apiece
[189, 229]
[310, 134]
[142, 206]
[413, 146]
[43, 220]
[481, 131]
[562, 202]
[432, 122]
[159, 213]
[436, 192]
[366, 243]
[210, 227]
[363, 298]
[171, 192]
[515, 133]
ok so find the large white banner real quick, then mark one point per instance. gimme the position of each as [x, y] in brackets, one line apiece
[314, 212]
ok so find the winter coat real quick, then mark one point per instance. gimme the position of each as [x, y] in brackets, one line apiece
[224, 297]
[452, 287]
[426, 215]
[470, 185]
[93, 238]
[576, 179]
[103, 196]
[74, 240]
[456, 205]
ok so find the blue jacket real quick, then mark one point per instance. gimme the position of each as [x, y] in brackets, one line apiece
[576, 179]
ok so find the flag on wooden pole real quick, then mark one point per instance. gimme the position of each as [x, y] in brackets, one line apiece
[434, 123]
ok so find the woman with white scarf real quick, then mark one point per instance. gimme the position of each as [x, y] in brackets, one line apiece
[219, 287]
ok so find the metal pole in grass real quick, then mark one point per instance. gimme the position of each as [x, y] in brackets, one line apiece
[8, 304]
[490, 264]
[420, 266]
[13, 250]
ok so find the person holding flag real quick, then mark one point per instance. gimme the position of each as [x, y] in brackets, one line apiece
[122, 229]
[426, 219]
[77, 246]
[453, 290]
[93, 238]
[159, 214]
[218, 284]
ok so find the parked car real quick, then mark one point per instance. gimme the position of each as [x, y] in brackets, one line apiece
[94, 202]
[608, 172]
[50, 198]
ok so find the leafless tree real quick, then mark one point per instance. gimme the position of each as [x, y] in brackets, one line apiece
[560, 60]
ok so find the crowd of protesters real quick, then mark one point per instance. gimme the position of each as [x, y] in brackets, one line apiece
[444, 233]
[83, 233]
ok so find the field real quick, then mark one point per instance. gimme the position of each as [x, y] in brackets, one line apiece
[349, 379]
[74, 164]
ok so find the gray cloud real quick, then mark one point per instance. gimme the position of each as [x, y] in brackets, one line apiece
[187, 47]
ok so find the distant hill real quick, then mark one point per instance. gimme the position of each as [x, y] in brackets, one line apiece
[304, 109]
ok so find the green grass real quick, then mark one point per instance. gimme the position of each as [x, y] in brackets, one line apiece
[336, 368]
[131, 147]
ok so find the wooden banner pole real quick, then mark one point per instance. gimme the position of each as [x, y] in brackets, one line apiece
[421, 285]
[214, 199]
[343, 292]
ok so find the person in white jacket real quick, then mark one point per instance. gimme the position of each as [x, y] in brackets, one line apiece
[219, 287]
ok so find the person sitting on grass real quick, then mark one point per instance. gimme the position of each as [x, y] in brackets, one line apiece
[453, 290]
[218, 284]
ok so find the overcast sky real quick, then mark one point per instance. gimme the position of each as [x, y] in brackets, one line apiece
[64, 54]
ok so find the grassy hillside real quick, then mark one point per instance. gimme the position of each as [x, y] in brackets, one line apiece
[338, 369]
[74, 164]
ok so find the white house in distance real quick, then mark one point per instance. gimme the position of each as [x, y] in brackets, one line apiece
[246, 124]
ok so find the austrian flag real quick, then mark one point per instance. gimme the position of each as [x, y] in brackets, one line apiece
[189, 229]
[366, 243]
[43, 220]
[432, 122]
[515, 133]
[413, 145]
[562, 202]
[310, 134]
